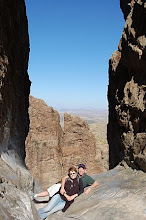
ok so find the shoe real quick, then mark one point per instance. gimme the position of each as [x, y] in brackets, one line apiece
[33, 196]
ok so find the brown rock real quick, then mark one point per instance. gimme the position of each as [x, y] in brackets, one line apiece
[50, 152]
[127, 91]
[43, 143]
[102, 149]
[79, 144]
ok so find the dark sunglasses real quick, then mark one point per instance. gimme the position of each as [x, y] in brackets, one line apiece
[72, 173]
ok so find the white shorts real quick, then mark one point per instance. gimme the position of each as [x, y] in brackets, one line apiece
[54, 189]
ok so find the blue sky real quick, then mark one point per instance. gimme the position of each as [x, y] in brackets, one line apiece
[71, 42]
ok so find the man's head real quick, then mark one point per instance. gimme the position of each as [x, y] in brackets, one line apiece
[81, 169]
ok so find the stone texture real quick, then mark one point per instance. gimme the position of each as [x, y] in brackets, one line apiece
[121, 194]
[54, 151]
[16, 184]
[43, 143]
[126, 6]
[102, 149]
[126, 92]
[14, 80]
[79, 145]
[15, 181]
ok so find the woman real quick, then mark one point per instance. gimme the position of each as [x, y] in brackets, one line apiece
[73, 188]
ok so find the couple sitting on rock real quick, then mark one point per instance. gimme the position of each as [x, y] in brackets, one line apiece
[63, 194]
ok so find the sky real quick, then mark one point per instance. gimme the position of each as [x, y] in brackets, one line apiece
[71, 42]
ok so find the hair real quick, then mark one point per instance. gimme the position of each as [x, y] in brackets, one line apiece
[72, 169]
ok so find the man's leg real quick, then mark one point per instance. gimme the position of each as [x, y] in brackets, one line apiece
[54, 189]
[42, 194]
[49, 192]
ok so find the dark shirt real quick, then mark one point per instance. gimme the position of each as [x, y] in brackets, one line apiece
[87, 180]
[71, 187]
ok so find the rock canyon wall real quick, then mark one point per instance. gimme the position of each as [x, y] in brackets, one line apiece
[14, 80]
[127, 90]
[15, 180]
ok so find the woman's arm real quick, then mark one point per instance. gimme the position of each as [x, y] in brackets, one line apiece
[70, 198]
[80, 191]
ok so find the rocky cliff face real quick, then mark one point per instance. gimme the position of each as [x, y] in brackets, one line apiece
[127, 90]
[14, 80]
[15, 180]
[79, 144]
[50, 151]
[43, 144]
[102, 149]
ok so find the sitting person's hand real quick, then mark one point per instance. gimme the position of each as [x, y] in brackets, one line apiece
[87, 190]
[70, 198]
[62, 190]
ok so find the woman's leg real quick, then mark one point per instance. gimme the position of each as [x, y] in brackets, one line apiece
[60, 205]
[52, 203]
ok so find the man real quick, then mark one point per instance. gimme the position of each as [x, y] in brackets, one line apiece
[88, 181]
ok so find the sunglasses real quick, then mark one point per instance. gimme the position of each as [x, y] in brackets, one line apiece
[72, 173]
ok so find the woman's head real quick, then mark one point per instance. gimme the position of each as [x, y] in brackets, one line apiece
[72, 172]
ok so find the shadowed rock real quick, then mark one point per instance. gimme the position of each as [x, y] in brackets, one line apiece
[14, 80]
[15, 180]
[127, 91]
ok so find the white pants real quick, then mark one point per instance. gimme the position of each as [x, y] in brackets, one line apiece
[54, 189]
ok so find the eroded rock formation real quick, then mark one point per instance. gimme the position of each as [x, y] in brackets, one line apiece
[50, 151]
[43, 144]
[102, 149]
[79, 144]
[15, 180]
[127, 91]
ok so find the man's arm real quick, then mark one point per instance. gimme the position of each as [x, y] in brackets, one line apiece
[62, 191]
[91, 187]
